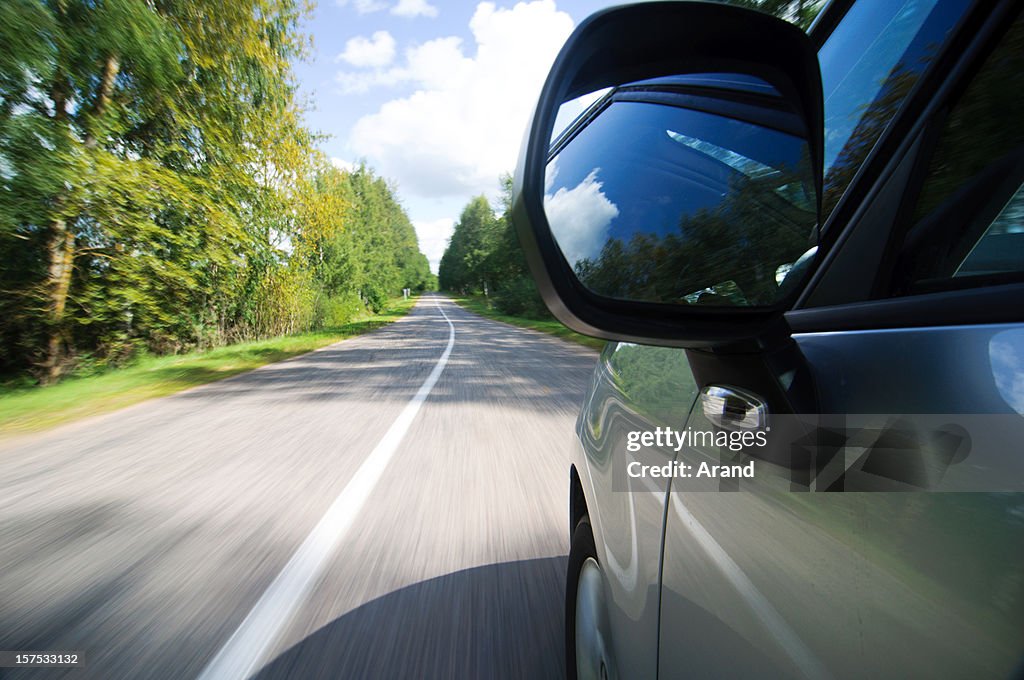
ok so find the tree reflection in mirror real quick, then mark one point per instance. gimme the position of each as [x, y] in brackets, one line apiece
[688, 190]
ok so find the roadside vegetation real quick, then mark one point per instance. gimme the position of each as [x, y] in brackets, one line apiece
[160, 195]
[484, 258]
[27, 409]
[483, 270]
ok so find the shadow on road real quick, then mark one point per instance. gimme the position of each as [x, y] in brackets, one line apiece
[491, 362]
[498, 621]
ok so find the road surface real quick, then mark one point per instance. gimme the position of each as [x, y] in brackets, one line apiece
[284, 520]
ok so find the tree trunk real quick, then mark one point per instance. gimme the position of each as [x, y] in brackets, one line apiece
[61, 246]
[62, 257]
[110, 69]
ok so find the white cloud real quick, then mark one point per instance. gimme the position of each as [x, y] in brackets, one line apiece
[364, 6]
[433, 236]
[361, 81]
[430, 65]
[579, 217]
[462, 127]
[414, 8]
[342, 164]
[376, 51]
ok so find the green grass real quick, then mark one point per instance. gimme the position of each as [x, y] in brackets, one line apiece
[28, 409]
[482, 306]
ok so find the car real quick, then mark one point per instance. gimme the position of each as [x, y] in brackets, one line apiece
[800, 454]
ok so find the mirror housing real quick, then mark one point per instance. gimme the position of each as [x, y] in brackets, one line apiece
[634, 43]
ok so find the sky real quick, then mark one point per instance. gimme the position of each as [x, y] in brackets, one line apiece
[434, 96]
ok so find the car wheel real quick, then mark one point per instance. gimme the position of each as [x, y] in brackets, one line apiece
[587, 640]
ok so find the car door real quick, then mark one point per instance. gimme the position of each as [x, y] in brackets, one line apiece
[634, 387]
[853, 571]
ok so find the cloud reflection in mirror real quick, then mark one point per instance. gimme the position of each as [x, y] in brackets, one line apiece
[581, 215]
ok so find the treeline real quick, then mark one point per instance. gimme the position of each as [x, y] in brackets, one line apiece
[159, 192]
[728, 254]
[484, 257]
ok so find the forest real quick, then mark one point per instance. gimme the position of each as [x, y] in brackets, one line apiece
[159, 192]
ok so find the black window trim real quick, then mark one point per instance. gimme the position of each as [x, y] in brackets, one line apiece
[932, 136]
[975, 35]
[965, 306]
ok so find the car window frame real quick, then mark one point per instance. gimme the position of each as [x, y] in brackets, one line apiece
[832, 301]
[907, 218]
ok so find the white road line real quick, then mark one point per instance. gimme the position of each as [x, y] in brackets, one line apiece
[248, 646]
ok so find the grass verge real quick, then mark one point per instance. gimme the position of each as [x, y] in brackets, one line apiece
[35, 408]
[482, 306]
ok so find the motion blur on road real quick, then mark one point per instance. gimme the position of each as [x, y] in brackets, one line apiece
[144, 538]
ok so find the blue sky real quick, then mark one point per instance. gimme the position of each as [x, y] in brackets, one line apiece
[433, 95]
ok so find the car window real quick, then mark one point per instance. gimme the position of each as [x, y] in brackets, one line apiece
[869, 65]
[968, 221]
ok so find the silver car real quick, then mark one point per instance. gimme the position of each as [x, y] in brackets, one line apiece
[802, 451]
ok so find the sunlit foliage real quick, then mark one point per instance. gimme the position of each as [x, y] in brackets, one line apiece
[159, 192]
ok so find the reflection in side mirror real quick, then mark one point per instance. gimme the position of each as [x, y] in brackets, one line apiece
[660, 214]
[688, 190]
[570, 112]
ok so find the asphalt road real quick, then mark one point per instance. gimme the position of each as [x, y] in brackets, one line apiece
[145, 538]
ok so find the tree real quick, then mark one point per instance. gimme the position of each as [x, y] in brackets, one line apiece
[83, 82]
[158, 190]
[484, 254]
[465, 265]
[728, 254]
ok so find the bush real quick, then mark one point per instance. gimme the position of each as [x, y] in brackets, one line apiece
[519, 297]
[375, 297]
[285, 303]
[338, 310]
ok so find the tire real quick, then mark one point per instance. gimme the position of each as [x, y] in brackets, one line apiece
[583, 562]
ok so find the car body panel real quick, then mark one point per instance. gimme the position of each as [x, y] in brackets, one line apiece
[628, 526]
[815, 585]
[843, 585]
[883, 584]
[763, 580]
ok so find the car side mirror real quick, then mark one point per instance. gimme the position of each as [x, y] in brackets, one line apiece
[681, 206]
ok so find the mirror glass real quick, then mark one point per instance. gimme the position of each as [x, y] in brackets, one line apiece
[569, 112]
[684, 190]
